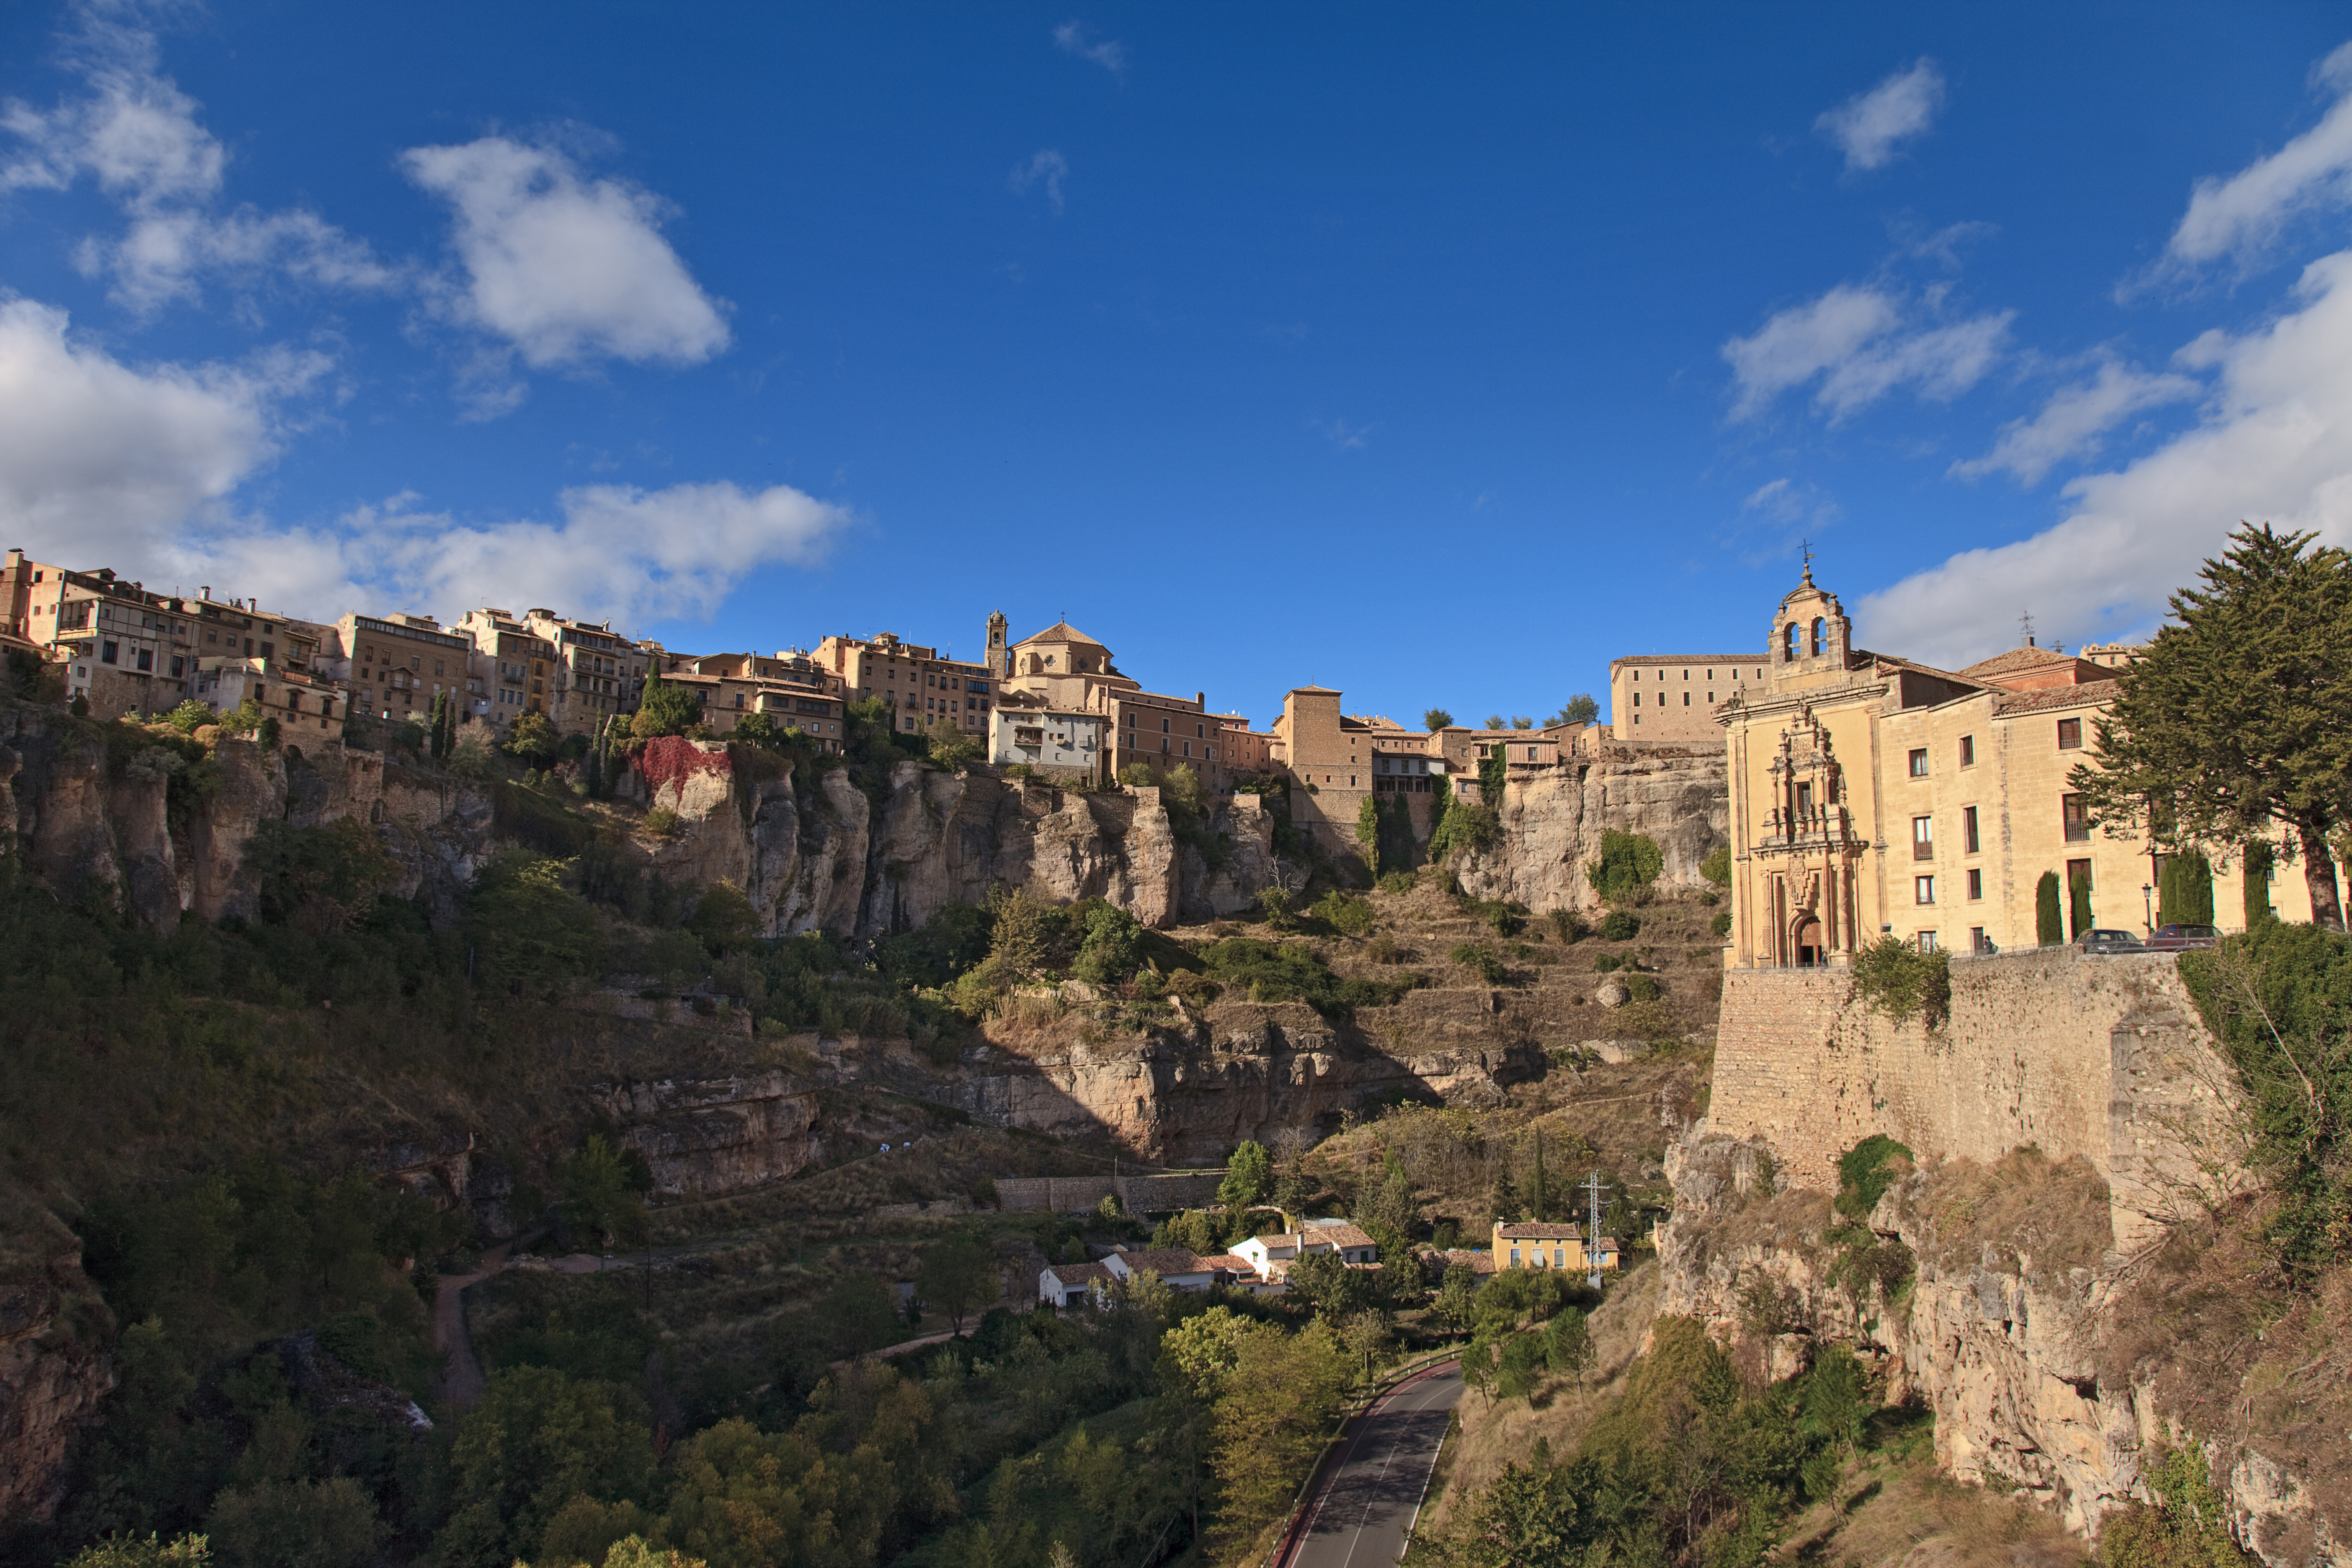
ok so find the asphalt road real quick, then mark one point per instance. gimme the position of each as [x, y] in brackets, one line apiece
[1371, 1492]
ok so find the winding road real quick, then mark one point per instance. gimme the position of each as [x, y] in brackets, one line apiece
[1370, 1493]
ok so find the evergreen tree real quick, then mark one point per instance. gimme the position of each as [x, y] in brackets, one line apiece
[1539, 1200]
[1504, 1197]
[2259, 859]
[2185, 890]
[2238, 723]
[2048, 923]
[2079, 904]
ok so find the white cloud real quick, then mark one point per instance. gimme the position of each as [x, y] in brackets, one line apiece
[1110, 54]
[1867, 126]
[102, 463]
[616, 552]
[566, 269]
[137, 136]
[2072, 422]
[1863, 343]
[2275, 446]
[2242, 215]
[1047, 168]
[1341, 434]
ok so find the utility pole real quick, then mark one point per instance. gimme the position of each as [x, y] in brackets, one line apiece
[1593, 1234]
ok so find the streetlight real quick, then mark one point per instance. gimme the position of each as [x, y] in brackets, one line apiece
[2146, 908]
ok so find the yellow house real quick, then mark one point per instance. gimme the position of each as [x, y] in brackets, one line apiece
[1547, 1244]
[1872, 795]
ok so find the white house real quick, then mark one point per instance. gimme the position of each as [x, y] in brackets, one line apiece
[1178, 1268]
[1319, 1236]
[1027, 728]
[1073, 1284]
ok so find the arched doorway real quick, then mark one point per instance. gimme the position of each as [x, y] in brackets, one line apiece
[1806, 942]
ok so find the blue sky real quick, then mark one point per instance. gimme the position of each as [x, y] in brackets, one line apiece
[1436, 357]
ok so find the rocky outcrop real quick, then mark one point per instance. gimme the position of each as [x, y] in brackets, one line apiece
[1552, 819]
[717, 1134]
[52, 1376]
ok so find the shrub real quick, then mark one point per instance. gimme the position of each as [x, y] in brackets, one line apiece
[1138, 775]
[1721, 924]
[531, 739]
[1481, 959]
[1607, 964]
[1642, 987]
[1346, 914]
[2185, 890]
[1570, 925]
[1435, 719]
[1629, 863]
[1399, 882]
[2260, 857]
[1716, 867]
[1896, 978]
[665, 709]
[188, 716]
[1470, 825]
[661, 822]
[1620, 925]
[2048, 927]
[1383, 948]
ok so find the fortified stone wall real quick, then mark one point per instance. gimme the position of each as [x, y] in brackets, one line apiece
[1083, 1194]
[2104, 1057]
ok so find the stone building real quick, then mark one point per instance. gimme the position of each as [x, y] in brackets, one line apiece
[1336, 761]
[791, 688]
[915, 683]
[513, 668]
[1671, 697]
[1872, 795]
[596, 673]
[123, 650]
[1027, 728]
[1073, 673]
[398, 664]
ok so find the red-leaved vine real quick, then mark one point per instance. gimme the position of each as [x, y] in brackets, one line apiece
[674, 758]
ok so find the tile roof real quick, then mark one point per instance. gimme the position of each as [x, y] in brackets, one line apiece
[1060, 631]
[2014, 660]
[1164, 1260]
[2090, 694]
[1231, 1263]
[1540, 1231]
[1338, 1236]
[1079, 1273]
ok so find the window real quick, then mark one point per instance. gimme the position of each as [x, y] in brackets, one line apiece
[1919, 762]
[1976, 886]
[1637, 700]
[1977, 943]
[1559, 1258]
[1923, 889]
[1968, 751]
[1818, 625]
[2070, 734]
[1926, 942]
[1686, 698]
[2077, 818]
[108, 652]
[1789, 643]
[1969, 841]
[1515, 1257]
[2078, 875]
[146, 658]
[1922, 838]
[179, 666]
[1805, 798]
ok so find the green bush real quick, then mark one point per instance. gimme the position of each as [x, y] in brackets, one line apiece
[2185, 890]
[1620, 925]
[661, 822]
[2049, 927]
[1721, 924]
[1570, 925]
[1480, 960]
[2260, 858]
[1289, 972]
[1716, 867]
[1399, 882]
[664, 709]
[1468, 825]
[1347, 913]
[1608, 963]
[1896, 978]
[1629, 864]
[1642, 987]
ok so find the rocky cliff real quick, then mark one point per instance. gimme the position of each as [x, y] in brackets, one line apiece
[1552, 820]
[2056, 1286]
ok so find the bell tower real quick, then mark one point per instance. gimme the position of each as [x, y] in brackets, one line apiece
[1000, 657]
[1812, 634]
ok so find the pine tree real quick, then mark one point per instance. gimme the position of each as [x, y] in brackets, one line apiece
[2079, 904]
[1504, 1198]
[2185, 890]
[1538, 1201]
[2238, 721]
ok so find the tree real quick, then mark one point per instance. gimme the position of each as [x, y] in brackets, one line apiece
[1367, 831]
[2185, 890]
[1629, 863]
[600, 1192]
[951, 745]
[1503, 1198]
[665, 709]
[2049, 928]
[958, 1274]
[1249, 1176]
[1522, 721]
[531, 739]
[2257, 893]
[2078, 902]
[148, 1551]
[2237, 724]
[1575, 713]
[1453, 1305]
[1496, 722]
[1435, 719]
[1538, 1199]
[538, 1440]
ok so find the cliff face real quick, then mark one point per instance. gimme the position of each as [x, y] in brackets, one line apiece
[2070, 1299]
[52, 1375]
[1553, 819]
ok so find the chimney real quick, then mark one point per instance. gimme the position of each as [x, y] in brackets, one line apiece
[1201, 700]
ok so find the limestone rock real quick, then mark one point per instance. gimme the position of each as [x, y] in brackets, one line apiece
[1613, 992]
[1552, 820]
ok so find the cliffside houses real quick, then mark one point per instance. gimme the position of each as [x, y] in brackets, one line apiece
[1550, 1243]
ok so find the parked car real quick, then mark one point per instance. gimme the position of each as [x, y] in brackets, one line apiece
[2094, 942]
[2177, 938]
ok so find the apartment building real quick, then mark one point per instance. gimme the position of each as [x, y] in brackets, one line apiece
[915, 684]
[595, 673]
[1872, 794]
[791, 687]
[1662, 698]
[513, 668]
[124, 650]
[1073, 673]
[1028, 728]
[398, 664]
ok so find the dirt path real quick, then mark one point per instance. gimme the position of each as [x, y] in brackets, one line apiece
[461, 1371]
[914, 1344]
